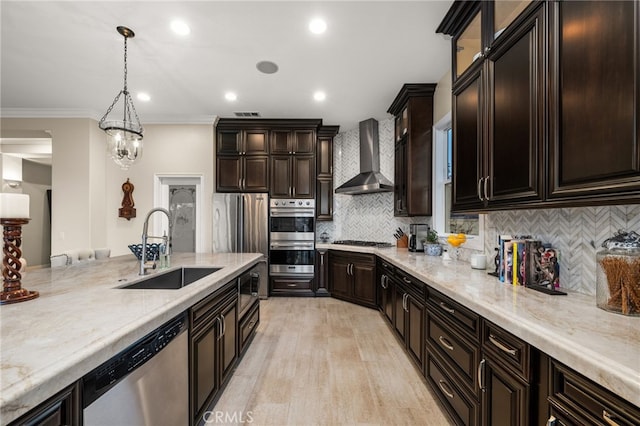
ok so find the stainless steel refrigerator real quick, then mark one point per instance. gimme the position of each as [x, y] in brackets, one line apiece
[241, 225]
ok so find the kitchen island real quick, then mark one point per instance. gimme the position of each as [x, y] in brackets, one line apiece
[603, 346]
[82, 318]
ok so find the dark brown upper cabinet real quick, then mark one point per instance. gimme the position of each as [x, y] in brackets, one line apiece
[248, 149]
[595, 101]
[413, 111]
[498, 104]
[324, 170]
[293, 141]
[556, 85]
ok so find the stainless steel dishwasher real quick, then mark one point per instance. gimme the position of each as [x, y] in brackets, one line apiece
[145, 384]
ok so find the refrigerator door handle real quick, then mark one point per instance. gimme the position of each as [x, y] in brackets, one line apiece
[240, 222]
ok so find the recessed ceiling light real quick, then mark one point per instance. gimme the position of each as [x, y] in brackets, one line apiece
[180, 28]
[144, 97]
[319, 96]
[317, 26]
[230, 96]
[267, 67]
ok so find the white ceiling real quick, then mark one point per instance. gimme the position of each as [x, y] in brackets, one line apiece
[65, 58]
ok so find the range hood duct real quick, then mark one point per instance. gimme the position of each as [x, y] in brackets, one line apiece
[370, 180]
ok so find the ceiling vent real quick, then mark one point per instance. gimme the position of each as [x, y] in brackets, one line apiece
[247, 114]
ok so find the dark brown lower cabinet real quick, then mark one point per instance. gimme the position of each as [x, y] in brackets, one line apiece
[463, 407]
[64, 408]
[352, 277]
[213, 347]
[386, 288]
[505, 396]
[576, 400]
[247, 327]
[322, 273]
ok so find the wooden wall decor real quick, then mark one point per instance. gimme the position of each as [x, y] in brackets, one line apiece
[127, 210]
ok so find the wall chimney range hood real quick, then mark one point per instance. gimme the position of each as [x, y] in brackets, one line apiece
[370, 180]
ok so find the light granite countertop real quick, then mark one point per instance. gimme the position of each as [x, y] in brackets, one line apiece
[602, 346]
[81, 319]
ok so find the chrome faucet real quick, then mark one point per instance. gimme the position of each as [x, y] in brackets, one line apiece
[144, 265]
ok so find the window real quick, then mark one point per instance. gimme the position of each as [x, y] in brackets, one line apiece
[444, 221]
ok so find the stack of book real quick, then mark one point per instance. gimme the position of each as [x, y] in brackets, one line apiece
[527, 261]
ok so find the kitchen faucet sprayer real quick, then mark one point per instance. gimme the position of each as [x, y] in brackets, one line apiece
[145, 229]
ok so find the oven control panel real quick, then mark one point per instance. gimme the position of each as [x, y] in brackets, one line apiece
[291, 203]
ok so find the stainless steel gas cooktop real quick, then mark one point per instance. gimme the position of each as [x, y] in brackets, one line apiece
[363, 243]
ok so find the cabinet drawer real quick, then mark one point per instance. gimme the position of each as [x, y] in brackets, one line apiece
[462, 355]
[460, 317]
[507, 348]
[587, 401]
[249, 325]
[464, 409]
[291, 284]
[414, 286]
[209, 305]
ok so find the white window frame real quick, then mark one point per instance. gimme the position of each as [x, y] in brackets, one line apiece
[476, 242]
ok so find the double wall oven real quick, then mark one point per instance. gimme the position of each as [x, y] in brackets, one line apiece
[292, 244]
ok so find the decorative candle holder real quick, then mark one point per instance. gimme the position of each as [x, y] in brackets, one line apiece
[12, 291]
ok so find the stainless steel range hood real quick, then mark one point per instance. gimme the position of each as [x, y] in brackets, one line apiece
[370, 180]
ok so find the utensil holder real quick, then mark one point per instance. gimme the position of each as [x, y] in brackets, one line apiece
[402, 242]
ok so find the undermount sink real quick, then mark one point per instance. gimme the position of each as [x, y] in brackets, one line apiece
[172, 280]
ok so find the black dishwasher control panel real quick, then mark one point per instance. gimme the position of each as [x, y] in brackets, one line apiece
[107, 375]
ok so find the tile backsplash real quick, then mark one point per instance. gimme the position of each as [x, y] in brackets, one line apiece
[577, 232]
[368, 216]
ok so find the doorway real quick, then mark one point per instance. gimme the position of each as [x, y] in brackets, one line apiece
[182, 196]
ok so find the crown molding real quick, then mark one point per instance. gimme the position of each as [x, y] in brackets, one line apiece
[94, 115]
[49, 113]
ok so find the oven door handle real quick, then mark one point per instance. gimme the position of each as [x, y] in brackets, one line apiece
[294, 246]
[293, 213]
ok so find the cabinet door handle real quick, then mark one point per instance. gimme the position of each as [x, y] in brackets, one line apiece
[322, 259]
[352, 269]
[479, 190]
[445, 343]
[486, 193]
[383, 283]
[399, 205]
[609, 419]
[224, 325]
[493, 339]
[481, 375]
[217, 319]
[444, 387]
[240, 183]
[406, 302]
[552, 421]
[446, 308]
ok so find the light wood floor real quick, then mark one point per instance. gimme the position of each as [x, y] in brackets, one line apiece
[322, 361]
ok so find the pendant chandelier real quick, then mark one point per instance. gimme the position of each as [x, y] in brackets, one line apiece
[124, 137]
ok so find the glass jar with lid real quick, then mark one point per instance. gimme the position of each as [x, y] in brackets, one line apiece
[618, 274]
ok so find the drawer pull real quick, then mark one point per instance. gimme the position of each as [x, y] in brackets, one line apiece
[444, 387]
[609, 419]
[444, 342]
[251, 324]
[406, 280]
[446, 308]
[502, 347]
[292, 285]
[552, 421]
[383, 282]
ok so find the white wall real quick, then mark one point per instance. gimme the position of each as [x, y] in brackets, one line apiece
[168, 149]
[442, 97]
[87, 186]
